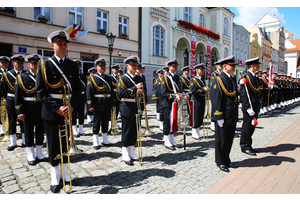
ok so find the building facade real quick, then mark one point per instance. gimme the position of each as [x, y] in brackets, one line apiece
[292, 57]
[25, 33]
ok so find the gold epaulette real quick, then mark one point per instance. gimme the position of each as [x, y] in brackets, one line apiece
[251, 86]
[44, 74]
[20, 81]
[221, 85]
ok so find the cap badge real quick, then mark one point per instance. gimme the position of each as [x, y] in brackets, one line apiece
[62, 34]
[134, 59]
[102, 60]
[35, 57]
[20, 58]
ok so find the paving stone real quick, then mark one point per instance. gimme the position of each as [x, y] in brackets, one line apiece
[10, 189]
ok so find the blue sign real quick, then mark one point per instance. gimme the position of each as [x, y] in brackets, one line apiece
[22, 49]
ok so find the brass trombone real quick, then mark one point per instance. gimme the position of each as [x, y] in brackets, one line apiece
[72, 149]
[4, 120]
[147, 129]
[207, 115]
[139, 101]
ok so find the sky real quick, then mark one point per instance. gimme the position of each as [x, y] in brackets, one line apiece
[289, 17]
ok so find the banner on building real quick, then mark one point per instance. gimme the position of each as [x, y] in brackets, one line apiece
[193, 56]
[208, 61]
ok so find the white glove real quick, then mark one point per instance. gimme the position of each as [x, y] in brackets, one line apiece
[242, 81]
[251, 112]
[220, 122]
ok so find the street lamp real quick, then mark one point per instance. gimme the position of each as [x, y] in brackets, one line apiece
[111, 38]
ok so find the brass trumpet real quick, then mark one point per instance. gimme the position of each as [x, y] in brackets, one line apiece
[4, 120]
[207, 115]
[72, 149]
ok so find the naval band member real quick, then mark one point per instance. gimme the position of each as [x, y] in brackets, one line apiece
[100, 95]
[53, 74]
[225, 109]
[115, 77]
[185, 80]
[198, 90]
[248, 112]
[127, 90]
[7, 89]
[28, 108]
[89, 114]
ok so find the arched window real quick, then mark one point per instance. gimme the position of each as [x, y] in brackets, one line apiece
[158, 41]
[226, 24]
[202, 20]
[226, 52]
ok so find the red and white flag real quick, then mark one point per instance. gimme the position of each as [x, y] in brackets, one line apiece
[193, 55]
[271, 79]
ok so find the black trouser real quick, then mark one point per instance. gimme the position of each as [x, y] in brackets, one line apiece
[129, 131]
[247, 132]
[29, 125]
[161, 113]
[198, 116]
[12, 118]
[223, 142]
[167, 123]
[51, 128]
[101, 116]
[80, 110]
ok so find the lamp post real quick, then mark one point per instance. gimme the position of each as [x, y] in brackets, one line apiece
[111, 38]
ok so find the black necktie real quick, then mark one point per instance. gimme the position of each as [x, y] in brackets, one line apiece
[18, 73]
[61, 63]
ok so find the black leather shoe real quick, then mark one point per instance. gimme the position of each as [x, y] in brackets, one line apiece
[11, 148]
[233, 165]
[41, 160]
[135, 159]
[96, 147]
[224, 168]
[107, 145]
[128, 162]
[249, 152]
[55, 188]
[170, 147]
[32, 162]
[1, 135]
[77, 135]
[177, 146]
[23, 145]
[255, 151]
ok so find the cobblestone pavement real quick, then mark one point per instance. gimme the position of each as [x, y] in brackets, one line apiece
[189, 171]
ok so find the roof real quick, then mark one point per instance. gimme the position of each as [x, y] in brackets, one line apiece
[295, 42]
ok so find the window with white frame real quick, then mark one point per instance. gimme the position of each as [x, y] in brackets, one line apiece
[202, 20]
[75, 15]
[241, 58]
[226, 52]
[237, 36]
[245, 56]
[123, 26]
[102, 21]
[226, 24]
[242, 38]
[45, 11]
[236, 54]
[158, 41]
[45, 53]
[187, 13]
[246, 40]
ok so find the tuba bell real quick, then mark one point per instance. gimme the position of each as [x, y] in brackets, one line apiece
[183, 114]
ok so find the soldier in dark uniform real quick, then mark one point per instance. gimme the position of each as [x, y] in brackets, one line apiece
[7, 89]
[78, 112]
[184, 80]
[249, 111]
[264, 93]
[100, 99]
[198, 90]
[4, 63]
[127, 90]
[171, 92]
[115, 77]
[89, 114]
[120, 73]
[28, 109]
[225, 108]
[141, 68]
[53, 75]
[214, 74]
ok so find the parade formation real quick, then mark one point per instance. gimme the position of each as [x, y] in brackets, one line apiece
[50, 97]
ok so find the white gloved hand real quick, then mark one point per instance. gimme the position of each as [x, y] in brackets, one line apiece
[242, 81]
[220, 122]
[251, 112]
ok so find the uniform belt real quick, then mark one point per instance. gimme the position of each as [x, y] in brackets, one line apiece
[102, 95]
[83, 92]
[57, 96]
[30, 99]
[128, 100]
[187, 90]
[10, 95]
[115, 90]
